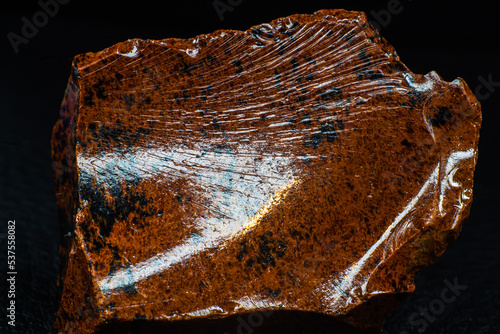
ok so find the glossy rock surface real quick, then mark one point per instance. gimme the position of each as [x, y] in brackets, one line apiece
[296, 166]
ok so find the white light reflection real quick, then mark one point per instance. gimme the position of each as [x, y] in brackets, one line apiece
[133, 53]
[451, 168]
[242, 187]
[427, 84]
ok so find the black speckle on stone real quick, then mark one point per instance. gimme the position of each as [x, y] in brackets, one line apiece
[363, 56]
[280, 249]
[99, 207]
[118, 76]
[215, 123]
[405, 142]
[227, 52]
[274, 293]
[268, 249]
[59, 133]
[109, 135]
[295, 64]
[277, 75]
[179, 198]
[340, 124]
[372, 75]
[143, 132]
[185, 94]
[314, 141]
[328, 130]
[309, 77]
[187, 69]
[99, 89]
[92, 128]
[265, 258]
[243, 250]
[211, 59]
[105, 212]
[237, 63]
[441, 117]
[130, 290]
[128, 99]
[89, 98]
[296, 234]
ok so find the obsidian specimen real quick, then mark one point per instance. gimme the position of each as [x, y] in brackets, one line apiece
[296, 166]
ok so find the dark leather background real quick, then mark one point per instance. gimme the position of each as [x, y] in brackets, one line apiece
[454, 38]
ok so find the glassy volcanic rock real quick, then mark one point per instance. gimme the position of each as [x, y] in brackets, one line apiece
[295, 166]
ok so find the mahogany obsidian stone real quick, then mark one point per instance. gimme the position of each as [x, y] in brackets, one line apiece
[295, 166]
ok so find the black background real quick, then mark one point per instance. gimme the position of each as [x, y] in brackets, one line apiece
[451, 37]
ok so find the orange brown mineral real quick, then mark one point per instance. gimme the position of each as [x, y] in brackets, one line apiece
[296, 166]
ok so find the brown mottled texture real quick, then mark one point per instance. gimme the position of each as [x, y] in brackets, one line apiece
[295, 166]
